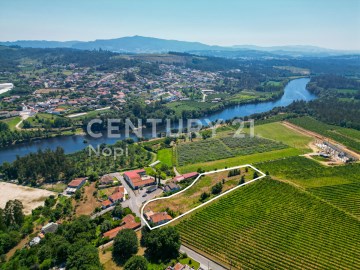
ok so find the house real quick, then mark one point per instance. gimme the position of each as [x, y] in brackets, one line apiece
[138, 178]
[49, 228]
[179, 266]
[128, 222]
[107, 179]
[119, 195]
[185, 176]
[75, 184]
[171, 187]
[160, 218]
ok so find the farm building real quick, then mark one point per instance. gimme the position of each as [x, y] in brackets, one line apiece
[75, 184]
[185, 176]
[171, 187]
[107, 179]
[138, 178]
[50, 228]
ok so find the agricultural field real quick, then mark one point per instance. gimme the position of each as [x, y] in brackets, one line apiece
[338, 185]
[225, 147]
[234, 161]
[272, 225]
[166, 156]
[346, 136]
[190, 198]
[12, 122]
[277, 131]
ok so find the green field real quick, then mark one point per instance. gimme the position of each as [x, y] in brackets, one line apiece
[338, 185]
[235, 161]
[12, 122]
[165, 156]
[346, 136]
[272, 225]
[277, 131]
[225, 147]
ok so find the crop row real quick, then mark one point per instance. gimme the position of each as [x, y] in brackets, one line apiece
[271, 225]
[215, 149]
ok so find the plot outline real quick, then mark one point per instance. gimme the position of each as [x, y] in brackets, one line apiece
[262, 175]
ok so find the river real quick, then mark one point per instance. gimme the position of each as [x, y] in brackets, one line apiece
[294, 90]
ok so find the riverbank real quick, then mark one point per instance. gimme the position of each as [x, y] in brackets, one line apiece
[294, 90]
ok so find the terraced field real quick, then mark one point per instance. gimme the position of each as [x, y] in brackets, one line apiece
[226, 147]
[337, 185]
[273, 225]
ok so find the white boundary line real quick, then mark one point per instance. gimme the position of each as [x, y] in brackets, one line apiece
[205, 203]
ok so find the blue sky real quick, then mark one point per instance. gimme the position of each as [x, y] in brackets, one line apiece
[327, 23]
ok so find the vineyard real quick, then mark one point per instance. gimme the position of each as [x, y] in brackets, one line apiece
[272, 225]
[345, 136]
[337, 185]
[226, 147]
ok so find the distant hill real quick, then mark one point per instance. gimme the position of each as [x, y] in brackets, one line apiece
[139, 44]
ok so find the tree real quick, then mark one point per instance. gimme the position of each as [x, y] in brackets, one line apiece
[13, 214]
[136, 263]
[163, 244]
[84, 258]
[256, 175]
[105, 226]
[204, 196]
[118, 211]
[242, 180]
[217, 188]
[125, 245]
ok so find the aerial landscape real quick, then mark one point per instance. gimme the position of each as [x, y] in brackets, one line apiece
[179, 135]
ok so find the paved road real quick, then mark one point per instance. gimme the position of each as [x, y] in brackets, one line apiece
[205, 263]
[98, 214]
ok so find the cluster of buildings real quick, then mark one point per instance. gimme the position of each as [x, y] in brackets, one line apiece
[157, 218]
[119, 195]
[329, 150]
[48, 228]
[70, 89]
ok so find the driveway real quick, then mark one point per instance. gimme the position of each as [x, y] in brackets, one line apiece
[136, 198]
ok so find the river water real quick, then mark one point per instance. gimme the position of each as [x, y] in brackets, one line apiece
[294, 90]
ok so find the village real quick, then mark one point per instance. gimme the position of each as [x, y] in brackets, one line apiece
[73, 91]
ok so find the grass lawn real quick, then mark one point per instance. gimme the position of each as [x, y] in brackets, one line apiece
[12, 122]
[277, 131]
[246, 159]
[165, 156]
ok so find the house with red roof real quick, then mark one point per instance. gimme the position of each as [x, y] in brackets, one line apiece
[160, 218]
[119, 195]
[138, 179]
[75, 184]
[128, 222]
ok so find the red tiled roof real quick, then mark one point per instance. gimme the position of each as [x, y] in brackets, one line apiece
[178, 266]
[76, 182]
[158, 217]
[116, 196]
[106, 203]
[136, 179]
[119, 189]
[129, 223]
[185, 176]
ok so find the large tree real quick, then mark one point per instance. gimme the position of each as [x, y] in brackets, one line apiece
[125, 245]
[136, 263]
[162, 244]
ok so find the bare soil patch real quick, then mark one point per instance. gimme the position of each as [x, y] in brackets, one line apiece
[30, 197]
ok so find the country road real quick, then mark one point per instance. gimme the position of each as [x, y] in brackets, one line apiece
[205, 263]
